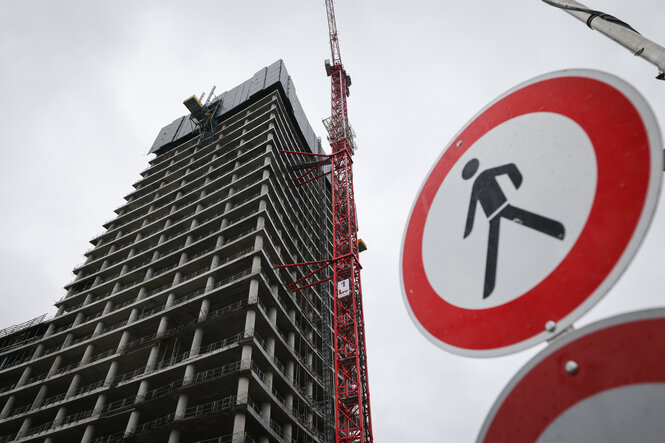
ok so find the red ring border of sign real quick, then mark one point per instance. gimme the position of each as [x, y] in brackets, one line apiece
[592, 266]
[606, 353]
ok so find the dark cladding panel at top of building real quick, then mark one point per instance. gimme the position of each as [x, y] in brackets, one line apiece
[276, 73]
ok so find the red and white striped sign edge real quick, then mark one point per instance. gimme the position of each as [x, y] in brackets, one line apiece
[604, 248]
[621, 352]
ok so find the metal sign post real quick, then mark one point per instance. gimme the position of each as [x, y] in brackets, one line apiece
[616, 30]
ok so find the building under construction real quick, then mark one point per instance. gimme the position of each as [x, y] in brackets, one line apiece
[178, 327]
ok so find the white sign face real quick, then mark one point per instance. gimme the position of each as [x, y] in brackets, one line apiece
[629, 413]
[563, 192]
[603, 383]
[531, 213]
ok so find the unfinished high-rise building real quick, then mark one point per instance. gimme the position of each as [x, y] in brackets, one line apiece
[178, 327]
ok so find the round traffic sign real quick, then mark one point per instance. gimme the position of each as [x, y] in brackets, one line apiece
[531, 213]
[602, 383]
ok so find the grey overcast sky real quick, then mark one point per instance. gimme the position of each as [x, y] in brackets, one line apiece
[86, 86]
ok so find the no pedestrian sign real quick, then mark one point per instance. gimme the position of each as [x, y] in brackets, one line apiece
[531, 213]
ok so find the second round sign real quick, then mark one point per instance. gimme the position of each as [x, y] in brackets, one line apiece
[531, 213]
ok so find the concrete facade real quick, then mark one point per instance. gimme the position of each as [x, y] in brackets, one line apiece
[177, 327]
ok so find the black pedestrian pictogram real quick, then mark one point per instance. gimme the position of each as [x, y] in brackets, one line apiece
[487, 191]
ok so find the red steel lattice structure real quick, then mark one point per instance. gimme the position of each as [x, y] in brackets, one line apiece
[353, 423]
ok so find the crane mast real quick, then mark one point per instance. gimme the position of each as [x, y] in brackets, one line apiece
[353, 423]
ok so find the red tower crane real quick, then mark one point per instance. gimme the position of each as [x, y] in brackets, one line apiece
[353, 422]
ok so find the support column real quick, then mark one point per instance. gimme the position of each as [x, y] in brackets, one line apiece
[258, 244]
[88, 434]
[7, 407]
[256, 263]
[250, 320]
[243, 390]
[309, 388]
[205, 308]
[189, 375]
[24, 428]
[152, 359]
[196, 342]
[132, 423]
[246, 357]
[181, 407]
[78, 319]
[124, 339]
[110, 375]
[141, 295]
[183, 259]
[58, 417]
[170, 299]
[288, 431]
[177, 278]
[133, 316]
[98, 329]
[163, 325]
[238, 428]
[26, 375]
[38, 352]
[99, 405]
[87, 354]
[270, 346]
[55, 366]
[210, 284]
[265, 412]
[174, 436]
[73, 386]
[39, 398]
[143, 390]
[267, 379]
[107, 308]
[253, 296]
[68, 339]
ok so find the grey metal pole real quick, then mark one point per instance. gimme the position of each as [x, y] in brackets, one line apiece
[629, 39]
